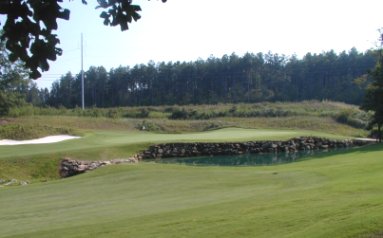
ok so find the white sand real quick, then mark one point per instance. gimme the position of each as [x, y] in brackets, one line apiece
[367, 139]
[44, 140]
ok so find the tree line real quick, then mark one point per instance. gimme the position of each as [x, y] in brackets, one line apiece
[229, 79]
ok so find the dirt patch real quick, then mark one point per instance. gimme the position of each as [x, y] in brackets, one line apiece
[374, 235]
[3, 122]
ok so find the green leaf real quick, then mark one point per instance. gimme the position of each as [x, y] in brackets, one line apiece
[64, 14]
[104, 15]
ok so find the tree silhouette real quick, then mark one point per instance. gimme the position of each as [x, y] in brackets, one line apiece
[374, 94]
[28, 31]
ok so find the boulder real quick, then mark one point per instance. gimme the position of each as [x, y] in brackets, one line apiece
[209, 149]
[70, 167]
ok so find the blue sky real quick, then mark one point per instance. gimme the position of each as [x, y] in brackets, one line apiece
[186, 30]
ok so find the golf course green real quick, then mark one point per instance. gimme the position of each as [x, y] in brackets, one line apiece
[99, 139]
[332, 195]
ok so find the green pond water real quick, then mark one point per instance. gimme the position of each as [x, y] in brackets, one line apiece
[249, 159]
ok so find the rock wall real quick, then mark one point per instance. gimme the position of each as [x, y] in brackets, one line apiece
[70, 167]
[208, 149]
[12, 182]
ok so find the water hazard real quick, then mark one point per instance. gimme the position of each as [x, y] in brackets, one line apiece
[248, 159]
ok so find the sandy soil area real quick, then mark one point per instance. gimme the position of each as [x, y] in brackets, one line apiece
[44, 140]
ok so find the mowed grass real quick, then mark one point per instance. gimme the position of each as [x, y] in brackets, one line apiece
[101, 139]
[337, 195]
[40, 162]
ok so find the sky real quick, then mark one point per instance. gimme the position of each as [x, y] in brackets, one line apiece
[187, 30]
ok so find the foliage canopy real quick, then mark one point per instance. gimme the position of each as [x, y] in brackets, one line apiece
[230, 79]
[374, 97]
[30, 25]
[14, 83]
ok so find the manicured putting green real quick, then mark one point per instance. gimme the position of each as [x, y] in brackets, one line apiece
[99, 139]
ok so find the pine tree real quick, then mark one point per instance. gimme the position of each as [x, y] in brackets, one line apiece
[374, 95]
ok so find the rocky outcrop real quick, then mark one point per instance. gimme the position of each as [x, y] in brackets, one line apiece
[70, 167]
[209, 149]
[12, 182]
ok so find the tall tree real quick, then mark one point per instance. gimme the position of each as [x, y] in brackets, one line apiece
[30, 25]
[374, 94]
[14, 82]
[250, 78]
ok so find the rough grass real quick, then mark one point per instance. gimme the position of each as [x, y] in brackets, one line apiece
[331, 117]
[331, 196]
[304, 108]
[22, 131]
[77, 125]
[347, 114]
[324, 124]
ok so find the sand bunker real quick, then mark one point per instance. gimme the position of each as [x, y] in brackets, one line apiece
[44, 140]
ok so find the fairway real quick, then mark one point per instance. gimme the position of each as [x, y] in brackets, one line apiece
[101, 139]
[333, 196]
[217, 136]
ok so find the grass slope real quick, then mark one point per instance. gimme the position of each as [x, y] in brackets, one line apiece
[100, 139]
[40, 162]
[38, 126]
[338, 195]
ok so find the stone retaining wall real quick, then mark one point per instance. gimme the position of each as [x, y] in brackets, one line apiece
[70, 167]
[208, 149]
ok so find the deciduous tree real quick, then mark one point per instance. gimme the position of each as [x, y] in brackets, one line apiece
[374, 95]
[30, 25]
[14, 83]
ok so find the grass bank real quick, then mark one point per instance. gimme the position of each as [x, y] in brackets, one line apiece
[338, 195]
[40, 162]
[38, 126]
[157, 117]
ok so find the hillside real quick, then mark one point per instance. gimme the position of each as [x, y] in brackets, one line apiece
[331, 194]
[125, 133]
[333, 117]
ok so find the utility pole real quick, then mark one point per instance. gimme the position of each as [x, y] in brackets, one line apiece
[82, 75]
[249, 73]
[381, 47]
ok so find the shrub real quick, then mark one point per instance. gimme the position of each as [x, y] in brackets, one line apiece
[113, 113]
[147, 126]
[212, 126]
[22, 132]
[179, 114]
[143, 113]
[21, 111]
[137, 113]
[356, 120]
